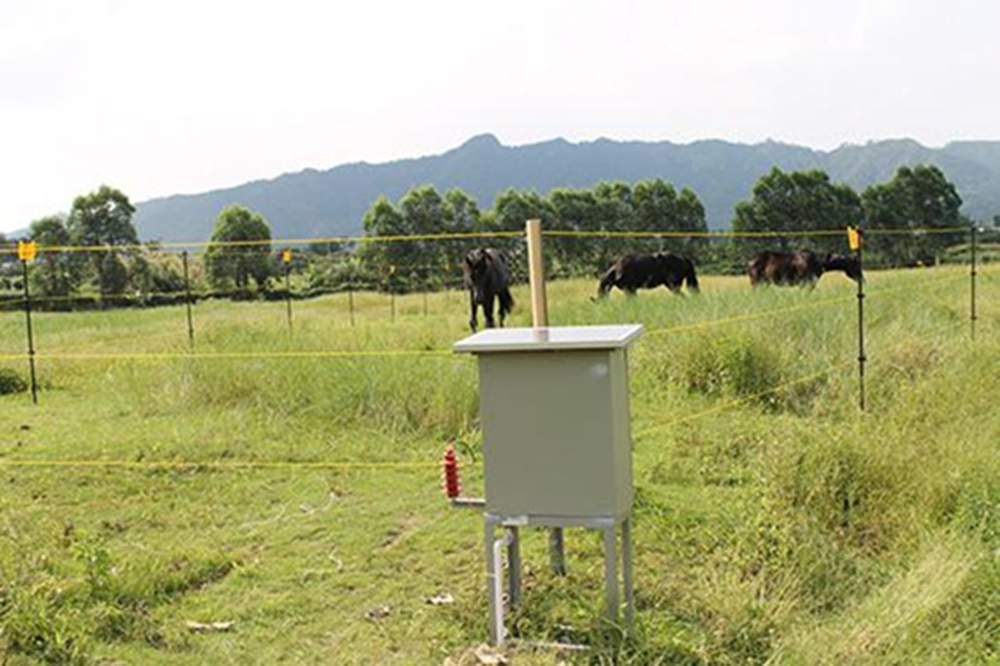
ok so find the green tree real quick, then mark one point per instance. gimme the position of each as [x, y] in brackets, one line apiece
[573, 210]
[425, 212]
[385, 258]
[616, 213]
[691, 218]
[420, 263]
[655, 205]
[103, 219]
[658, 207]
[463, 217]
[153, 272]
[240, 250]
[918, 199]
[798, 201]
[54, 274]
[511, 209]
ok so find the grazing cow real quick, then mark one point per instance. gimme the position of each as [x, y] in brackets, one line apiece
[799, 268]
[648, 271]
[486, 277]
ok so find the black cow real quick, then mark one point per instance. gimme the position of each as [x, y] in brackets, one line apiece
[800, 268]
[486, 277]
[648, 271]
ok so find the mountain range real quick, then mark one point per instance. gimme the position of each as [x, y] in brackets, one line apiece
[313, 203]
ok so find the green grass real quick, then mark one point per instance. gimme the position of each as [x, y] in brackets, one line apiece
[774, 523]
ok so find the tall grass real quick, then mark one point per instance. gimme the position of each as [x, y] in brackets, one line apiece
[774, 521]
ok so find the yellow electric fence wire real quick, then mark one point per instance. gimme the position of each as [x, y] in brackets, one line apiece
[816, 304]
[919, 285]
[744, 234]
[738, 401]
[397, 352]
[215, 464]
[153, 356]
[774, 389]
[180, 297]
[175, 246]
[746, 317]
[250, 464]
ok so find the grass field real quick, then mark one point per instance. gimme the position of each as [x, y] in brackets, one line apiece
[774, 523]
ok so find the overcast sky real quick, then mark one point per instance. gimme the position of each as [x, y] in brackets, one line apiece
[181, 96]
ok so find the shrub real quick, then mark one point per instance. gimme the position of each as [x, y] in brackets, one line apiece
[737, 365]
[12, 382]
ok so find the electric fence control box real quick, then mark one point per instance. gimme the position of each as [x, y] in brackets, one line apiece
[555, 418]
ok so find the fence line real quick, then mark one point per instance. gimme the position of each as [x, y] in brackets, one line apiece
[218, 295]
[152, 356]
[569, 233]
[349, 240]
[214, 464]
[920, 285]
[207, 245]
[453, 285]
[746, 317]
[816, 304]
[736, 402]
[228, 465]
[160, 356]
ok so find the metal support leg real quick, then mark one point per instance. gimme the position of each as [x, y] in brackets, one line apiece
[627, 571]
[557, 551]
[611, 571]
[514, 566]
[492, 582]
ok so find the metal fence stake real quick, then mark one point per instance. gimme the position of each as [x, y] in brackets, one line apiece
[31, 336]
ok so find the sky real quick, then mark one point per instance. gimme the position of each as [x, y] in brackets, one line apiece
[159, 97]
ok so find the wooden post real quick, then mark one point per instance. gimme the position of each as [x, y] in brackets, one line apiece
[540, 319]
[536, 274]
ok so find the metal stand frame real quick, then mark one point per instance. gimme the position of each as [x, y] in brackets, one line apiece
[511, 542]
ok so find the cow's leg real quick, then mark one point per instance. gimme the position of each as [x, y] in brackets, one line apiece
[488, 311]
[473, 324]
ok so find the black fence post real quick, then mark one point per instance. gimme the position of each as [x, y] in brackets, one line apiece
[972, 285]
[31, 336]
[350, 301]
[861, 324]
[187, 300]
[288, 293]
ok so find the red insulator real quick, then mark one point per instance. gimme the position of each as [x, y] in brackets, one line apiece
[452, 484]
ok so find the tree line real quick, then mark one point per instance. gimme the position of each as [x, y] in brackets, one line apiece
[918, 201]
[239, 261]
[102, 260]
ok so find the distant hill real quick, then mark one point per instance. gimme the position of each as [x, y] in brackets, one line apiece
[314, 203]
